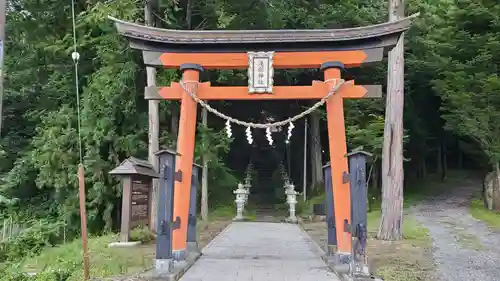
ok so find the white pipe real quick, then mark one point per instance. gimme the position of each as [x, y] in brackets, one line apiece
[3, 4]
[304, 188]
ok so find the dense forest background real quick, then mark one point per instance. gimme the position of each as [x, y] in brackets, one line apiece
[451, 96]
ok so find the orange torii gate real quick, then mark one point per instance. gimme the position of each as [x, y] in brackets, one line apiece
[262, 51]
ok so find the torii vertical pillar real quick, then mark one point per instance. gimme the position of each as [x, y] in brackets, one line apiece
[338, 151]
[184, 163]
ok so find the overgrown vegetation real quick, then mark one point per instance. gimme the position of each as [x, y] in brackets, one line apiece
[407, 260]
[142, 234]
[64, 262]
[492, 218]
[404, 261]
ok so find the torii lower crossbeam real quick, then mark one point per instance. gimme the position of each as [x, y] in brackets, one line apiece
[316, 91]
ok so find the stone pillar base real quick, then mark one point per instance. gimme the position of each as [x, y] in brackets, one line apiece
[340, 262]
[179, 255]
[331, 250]
[291, 220]
[362, 271]
[192, 247]
[164, 265]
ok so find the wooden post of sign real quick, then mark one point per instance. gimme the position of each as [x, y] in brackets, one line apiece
[184, 163]
[338, 160]
[126, 200]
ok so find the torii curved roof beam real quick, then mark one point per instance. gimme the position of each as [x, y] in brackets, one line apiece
[373, 40]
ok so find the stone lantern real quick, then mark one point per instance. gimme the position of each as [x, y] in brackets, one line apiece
[291, 200]
[241, 194]
[247, 185]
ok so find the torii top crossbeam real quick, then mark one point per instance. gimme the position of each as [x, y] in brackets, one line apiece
[171, 48]
[261, 51]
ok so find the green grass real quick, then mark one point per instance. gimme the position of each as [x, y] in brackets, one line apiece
[223, 212]
[478, 211]
[229, 212]
[403, 262]
[402, 270]
[104, 261]
[305, 208]
[468, 240]
[412, 229]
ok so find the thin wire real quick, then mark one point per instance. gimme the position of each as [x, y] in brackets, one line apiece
[77, 86]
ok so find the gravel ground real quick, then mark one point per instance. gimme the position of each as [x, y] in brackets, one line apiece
[463, 247]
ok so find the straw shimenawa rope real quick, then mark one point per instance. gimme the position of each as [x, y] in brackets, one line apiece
[260, 125]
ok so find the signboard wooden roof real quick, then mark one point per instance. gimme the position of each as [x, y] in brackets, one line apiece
[135, 166]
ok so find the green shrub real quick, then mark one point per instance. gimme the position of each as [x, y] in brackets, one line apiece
[142, 234]
[306, 208]
[62, 271]
[31, 240]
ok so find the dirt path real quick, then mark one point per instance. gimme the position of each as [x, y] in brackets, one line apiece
[463, 247]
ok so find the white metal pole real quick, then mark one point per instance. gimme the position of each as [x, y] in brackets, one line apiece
[304, 188]
[204, 175]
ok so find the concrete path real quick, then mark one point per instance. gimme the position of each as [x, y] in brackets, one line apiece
[247, 251]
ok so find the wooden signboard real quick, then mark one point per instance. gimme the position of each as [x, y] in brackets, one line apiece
[137, 177]
[139, 201]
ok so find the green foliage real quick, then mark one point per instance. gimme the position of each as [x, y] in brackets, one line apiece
[32, 240]
[67, 260]
[305, 208]
[477, 210]
[459, 61]
[212, 145]
[369, 137]
[142, 234]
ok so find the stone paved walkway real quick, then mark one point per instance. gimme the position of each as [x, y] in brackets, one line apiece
[247, 251]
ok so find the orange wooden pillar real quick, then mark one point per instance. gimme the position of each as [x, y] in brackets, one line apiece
[338, 160]
[184, 162]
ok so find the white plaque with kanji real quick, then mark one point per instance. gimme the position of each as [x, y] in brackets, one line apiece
[260, 72]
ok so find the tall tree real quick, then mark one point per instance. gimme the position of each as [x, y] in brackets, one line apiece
[153, 117]
[391, 223]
